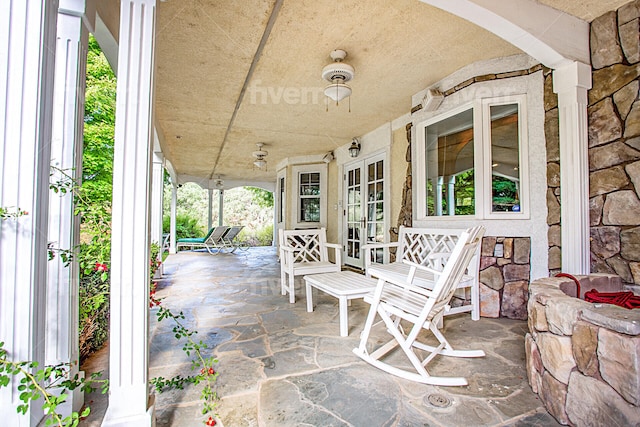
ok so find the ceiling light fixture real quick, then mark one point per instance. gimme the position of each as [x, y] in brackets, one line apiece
[219, 183]
[338, 73]
[260, 162]
[354, 149]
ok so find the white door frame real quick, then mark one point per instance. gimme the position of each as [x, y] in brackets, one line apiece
[363, 217]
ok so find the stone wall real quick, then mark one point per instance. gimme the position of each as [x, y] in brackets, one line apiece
[614, 143]
[583, 359]
[505, 264]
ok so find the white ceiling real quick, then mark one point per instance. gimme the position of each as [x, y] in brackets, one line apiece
[206, 49]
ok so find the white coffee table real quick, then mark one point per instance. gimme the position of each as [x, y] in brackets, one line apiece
[344, 285]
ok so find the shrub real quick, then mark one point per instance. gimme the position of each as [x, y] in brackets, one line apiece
[259, 237]
[186, 226]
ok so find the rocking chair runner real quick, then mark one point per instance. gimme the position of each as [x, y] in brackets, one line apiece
[395, 300]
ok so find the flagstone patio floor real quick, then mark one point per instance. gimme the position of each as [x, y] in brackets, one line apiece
[282, 366]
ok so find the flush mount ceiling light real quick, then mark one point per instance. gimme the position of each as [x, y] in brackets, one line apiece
[337, 74]
[219, 183]
[260, 162]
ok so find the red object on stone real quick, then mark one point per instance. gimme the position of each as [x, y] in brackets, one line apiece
[625, 299]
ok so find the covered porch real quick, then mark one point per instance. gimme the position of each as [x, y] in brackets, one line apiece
[282, 366]
[418, 64]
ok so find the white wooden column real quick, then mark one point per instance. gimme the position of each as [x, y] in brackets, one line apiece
[27, 62]
[210, 211]
[571, 83]
[157, 192]
[129, 400]
[66, 154]
[174, 208]
[220, 207]
[156, 198]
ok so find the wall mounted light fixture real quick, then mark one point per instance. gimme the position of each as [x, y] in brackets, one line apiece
[328, 157]
[354, 149]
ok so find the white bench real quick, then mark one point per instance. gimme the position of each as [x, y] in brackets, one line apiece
[344, 285]
[429, 247]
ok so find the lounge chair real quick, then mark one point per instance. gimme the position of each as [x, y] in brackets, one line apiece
[229, 240]
[213, 240]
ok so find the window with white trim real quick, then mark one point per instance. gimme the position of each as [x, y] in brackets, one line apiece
[472, 161]
[309, 193]
[310, 187]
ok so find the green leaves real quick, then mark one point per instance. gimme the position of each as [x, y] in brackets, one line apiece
[207, 375]
[35, 384]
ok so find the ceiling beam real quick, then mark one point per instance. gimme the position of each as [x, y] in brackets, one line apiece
[254, 63]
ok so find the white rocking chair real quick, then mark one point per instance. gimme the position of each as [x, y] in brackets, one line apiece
[395, 300]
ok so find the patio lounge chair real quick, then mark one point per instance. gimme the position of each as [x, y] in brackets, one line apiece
[397, 300]
[213, 240]
[230, 241]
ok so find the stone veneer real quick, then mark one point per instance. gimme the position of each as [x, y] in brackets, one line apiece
[614, 148]
[583, 359]
[505, 264]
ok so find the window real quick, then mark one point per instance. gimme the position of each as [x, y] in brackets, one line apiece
[309, 189]
[281, 201]
[472, 161]
[309, 192]
[504, 158]
[450, 166]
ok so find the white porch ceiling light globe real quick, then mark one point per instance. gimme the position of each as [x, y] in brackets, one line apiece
[260, 154]
[337, 74]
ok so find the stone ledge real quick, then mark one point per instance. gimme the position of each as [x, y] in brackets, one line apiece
[615, 318]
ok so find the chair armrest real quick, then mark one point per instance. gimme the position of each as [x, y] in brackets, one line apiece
[421, 267]
[393, 279]
[367, 251]
[287, 248]
[337, 251]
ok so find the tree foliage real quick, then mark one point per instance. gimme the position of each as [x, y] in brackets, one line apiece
[94, 199]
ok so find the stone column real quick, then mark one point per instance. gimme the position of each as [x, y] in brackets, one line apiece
[75, 20]
[129, 400]
[174, 207]
[571, 83]
[27, 63]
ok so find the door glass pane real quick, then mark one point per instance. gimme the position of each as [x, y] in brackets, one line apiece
[379, 170]
[505, 158]
[449, 166]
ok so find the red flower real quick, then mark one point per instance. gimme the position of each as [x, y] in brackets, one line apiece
[211, 422]
[101, 267]
[211, 371]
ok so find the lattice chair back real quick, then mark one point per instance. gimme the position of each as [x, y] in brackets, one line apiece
[419, 247]
[308, 245]
[454, 269]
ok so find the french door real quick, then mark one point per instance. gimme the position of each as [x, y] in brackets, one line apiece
[364, 208]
